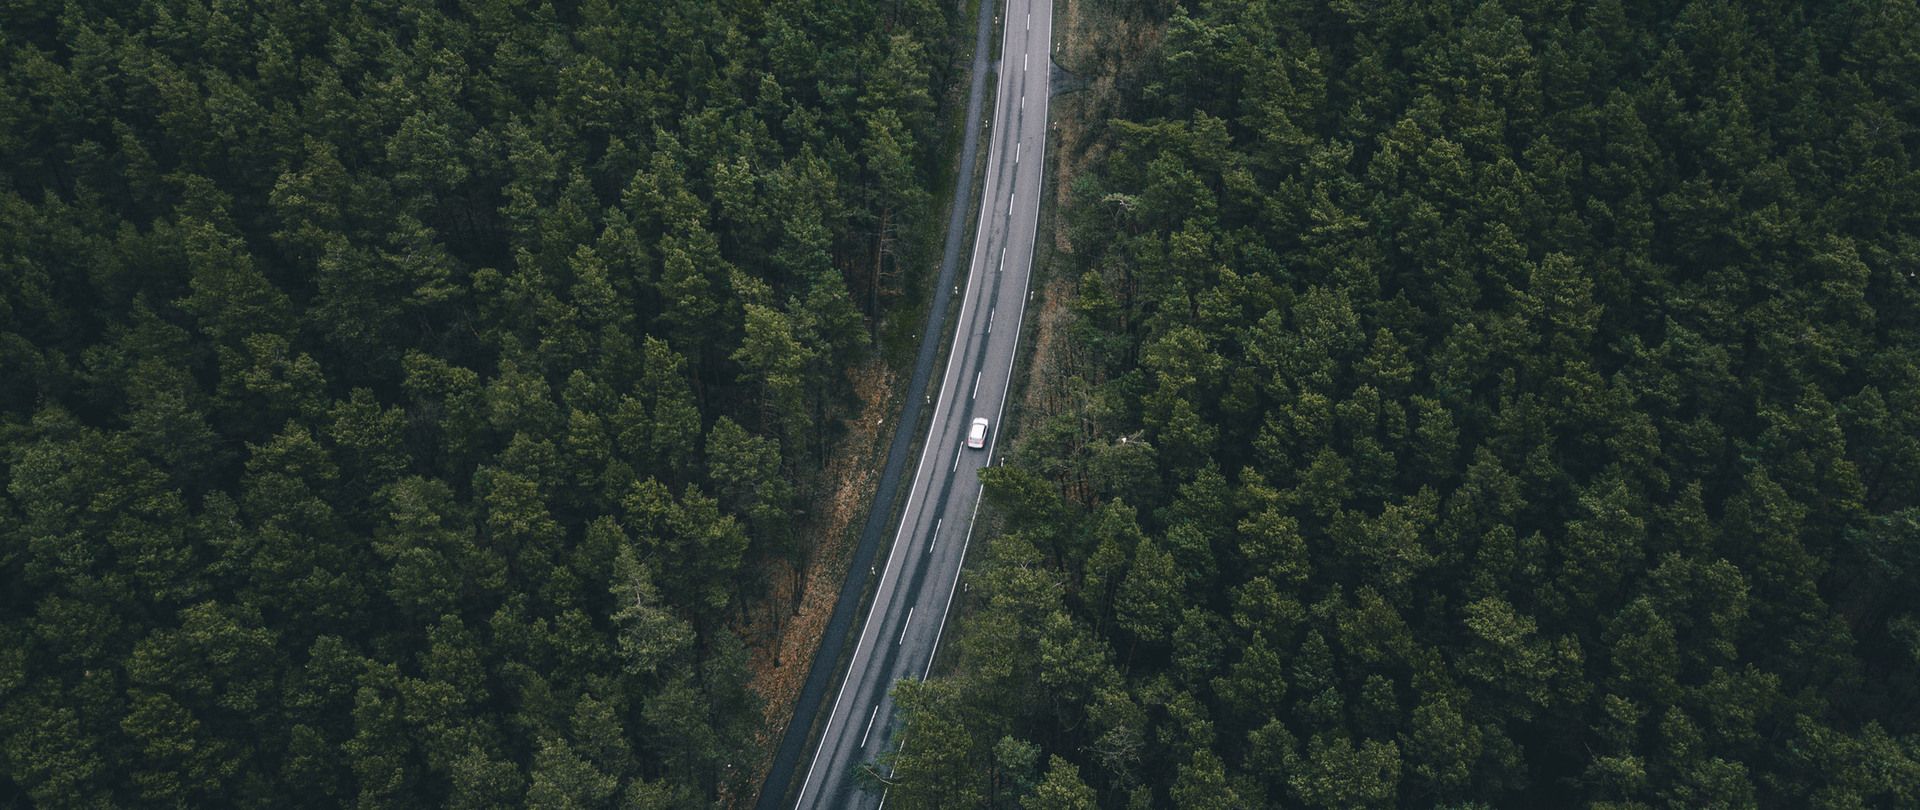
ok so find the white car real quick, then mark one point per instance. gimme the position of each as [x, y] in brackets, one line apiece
[977, 435]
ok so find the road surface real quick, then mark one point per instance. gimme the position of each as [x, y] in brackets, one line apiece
[921, 576]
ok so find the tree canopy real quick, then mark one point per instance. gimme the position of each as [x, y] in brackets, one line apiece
[393, 395]
[1522, 408]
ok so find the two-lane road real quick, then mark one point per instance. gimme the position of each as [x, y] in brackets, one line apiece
[909, 610]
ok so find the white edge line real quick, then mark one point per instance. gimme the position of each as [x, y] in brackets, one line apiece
[938, 634]
[869, 732]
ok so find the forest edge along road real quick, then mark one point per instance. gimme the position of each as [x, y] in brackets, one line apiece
[799, 731]
[922, 572]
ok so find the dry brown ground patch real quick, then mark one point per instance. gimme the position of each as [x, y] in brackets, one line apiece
[784, 627]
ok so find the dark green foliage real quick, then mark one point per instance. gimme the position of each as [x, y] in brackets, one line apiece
[393, 396]
[1529, 393]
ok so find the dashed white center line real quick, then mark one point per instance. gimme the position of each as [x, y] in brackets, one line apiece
[976, 386]
[1023, 62]
[1016, 147]
[990, 320]
[956, 460]
[903, 628]
[869, 731]
[936, 537]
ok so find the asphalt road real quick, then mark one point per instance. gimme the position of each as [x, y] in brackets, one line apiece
[921, 574]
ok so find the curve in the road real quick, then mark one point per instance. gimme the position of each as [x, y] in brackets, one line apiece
[773, 794]
[902, 630]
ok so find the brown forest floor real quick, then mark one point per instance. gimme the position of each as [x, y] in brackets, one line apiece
[783, 628]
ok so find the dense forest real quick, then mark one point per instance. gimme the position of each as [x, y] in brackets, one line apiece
[392, 394]
[1471, 404]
